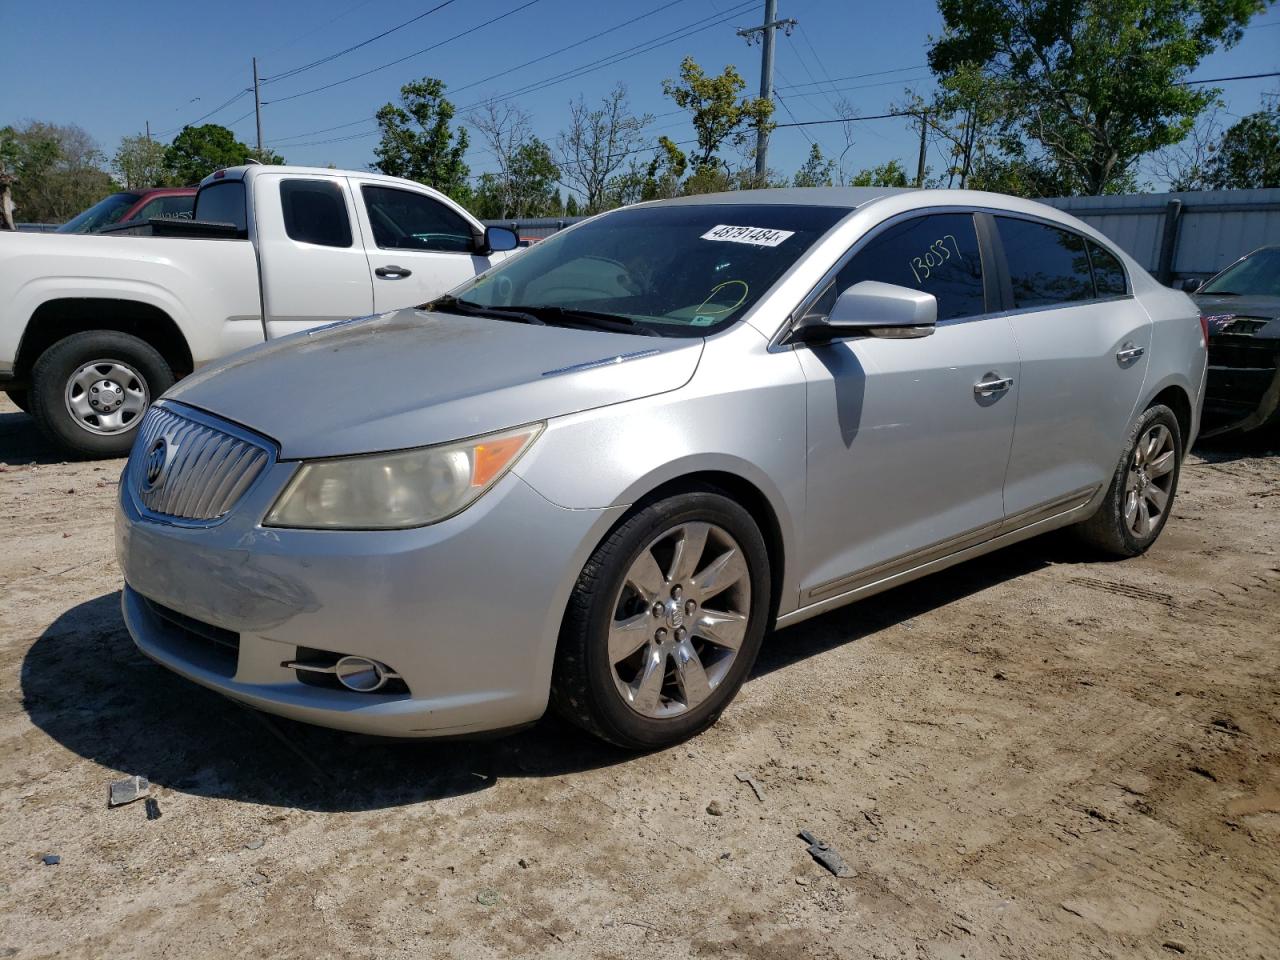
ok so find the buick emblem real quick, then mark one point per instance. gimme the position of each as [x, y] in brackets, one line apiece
[153, 466]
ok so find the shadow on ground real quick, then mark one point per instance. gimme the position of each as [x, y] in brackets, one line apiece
[85, 685]
[21, 441]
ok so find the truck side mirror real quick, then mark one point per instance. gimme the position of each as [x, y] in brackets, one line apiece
[498, 240]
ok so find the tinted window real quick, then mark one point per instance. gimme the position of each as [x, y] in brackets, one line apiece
[1046, 265]
[172, 207]
[223, 202]
[1258, 275]
[412, 221]
[684, 270]
[937, 254]
[1108, 275]
[315, 212]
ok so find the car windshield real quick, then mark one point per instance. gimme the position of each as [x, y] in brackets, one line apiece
[101, 214]
[1257, 275]
[679, 270]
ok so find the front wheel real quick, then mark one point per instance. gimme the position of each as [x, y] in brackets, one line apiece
[1142, 489]
[664, 623]
[90, 390]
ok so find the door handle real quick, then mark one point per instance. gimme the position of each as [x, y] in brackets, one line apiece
[1129, 352]
[990, 385]
[392, 272]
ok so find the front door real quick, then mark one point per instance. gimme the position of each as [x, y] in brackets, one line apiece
[419, 247]
[1083, 341]
[908, 439]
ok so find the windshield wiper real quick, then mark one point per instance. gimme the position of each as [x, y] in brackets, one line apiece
[452, 304]
[590, 319]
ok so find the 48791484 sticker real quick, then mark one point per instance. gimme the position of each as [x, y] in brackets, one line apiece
[756, 236]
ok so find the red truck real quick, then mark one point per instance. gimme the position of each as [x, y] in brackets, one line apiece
[133, 205]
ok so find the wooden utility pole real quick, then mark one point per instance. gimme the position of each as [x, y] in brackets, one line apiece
[765, 32]
[257, 106]
[924, 126]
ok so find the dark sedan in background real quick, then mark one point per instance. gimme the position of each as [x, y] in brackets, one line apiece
[1241, 310]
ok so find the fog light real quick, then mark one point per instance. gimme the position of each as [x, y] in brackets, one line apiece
[361, 674]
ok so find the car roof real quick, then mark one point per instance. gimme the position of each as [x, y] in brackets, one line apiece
[849, 198]
[254, 169]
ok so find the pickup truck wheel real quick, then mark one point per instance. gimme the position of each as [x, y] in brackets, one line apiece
[90, 390]
[20, 399]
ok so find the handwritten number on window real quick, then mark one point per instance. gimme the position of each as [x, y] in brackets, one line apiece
[937, 254]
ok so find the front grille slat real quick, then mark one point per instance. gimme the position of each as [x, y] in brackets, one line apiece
[209, 467]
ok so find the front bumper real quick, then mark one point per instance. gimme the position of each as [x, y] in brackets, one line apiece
[467, 611]
[1243, 388]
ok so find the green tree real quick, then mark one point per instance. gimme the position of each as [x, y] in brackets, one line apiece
[1247, 157]
[198, 151]
[891, 174]
[139, 163]
[1093, 85]
[594, 148]
[817, 171]
[418, 142]
[718, 113]
[267, 157]
[571, 206]
[57, 170]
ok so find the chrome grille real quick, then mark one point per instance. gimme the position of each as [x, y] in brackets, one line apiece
[203, 471]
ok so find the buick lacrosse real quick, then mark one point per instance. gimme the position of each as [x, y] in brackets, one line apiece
[598, 474]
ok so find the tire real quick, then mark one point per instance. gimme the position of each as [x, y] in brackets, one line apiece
[1136, 488]
[20, 399]
[587, 686]
[132, 373]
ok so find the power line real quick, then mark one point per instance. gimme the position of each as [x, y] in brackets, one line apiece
[646, 46]
[416, 53]
[1243, 76]
[217, 109]
[293, 72]
[861, 76]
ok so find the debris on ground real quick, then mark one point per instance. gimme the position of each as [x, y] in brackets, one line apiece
[127, 790]
[826, 855]
[51, 859]
[753, 783]
[488, 898]
[715, 809]
[153, 808]
[255, 844]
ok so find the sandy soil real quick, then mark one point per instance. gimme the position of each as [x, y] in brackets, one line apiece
[1032, 755]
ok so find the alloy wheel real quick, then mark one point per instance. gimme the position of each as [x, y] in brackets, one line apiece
[679, 619]
[1149, 484]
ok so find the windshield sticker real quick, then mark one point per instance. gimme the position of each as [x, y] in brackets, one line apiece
[756, 236]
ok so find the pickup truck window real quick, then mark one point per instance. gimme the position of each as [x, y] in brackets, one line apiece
[315, 212]
[402, 220]
[223, 202]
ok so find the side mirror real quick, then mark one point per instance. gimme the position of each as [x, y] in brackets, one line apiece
[1190, 285]
[873, 309]
[498, 240]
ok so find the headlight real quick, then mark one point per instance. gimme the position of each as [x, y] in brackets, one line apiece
[393, 491]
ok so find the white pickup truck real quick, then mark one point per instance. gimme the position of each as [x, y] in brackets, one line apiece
[92, 328]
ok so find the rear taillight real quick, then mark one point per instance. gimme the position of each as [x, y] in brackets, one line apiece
[1204, 328]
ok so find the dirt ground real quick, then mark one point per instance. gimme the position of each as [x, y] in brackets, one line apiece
[1031, 755]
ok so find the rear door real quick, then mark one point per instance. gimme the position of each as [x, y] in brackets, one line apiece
[313, 266]
[1083, 341]
[419, 246]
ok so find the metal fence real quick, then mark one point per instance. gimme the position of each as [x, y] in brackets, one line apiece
[1180, 235]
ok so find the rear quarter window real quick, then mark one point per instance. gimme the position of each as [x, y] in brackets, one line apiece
[224, 202]
[1108, 273]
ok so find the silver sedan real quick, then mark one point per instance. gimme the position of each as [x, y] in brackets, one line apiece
[599, 474]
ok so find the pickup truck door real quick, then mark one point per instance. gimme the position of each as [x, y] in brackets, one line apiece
[419, 246]
[312, 263]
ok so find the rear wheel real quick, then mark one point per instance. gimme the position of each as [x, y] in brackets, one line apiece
[90, 390]
[665, 622]
[1142, 489]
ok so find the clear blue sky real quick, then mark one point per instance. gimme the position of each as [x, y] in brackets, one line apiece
[111, 67]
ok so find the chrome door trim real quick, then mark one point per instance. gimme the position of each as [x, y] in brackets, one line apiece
[909, 563]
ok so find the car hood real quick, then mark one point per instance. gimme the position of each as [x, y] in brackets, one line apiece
[413, 378]
[1262, 308]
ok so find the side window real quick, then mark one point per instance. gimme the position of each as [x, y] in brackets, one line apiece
[174, 208]
[1108, 274]
[937, 254]
[402, 220]
[315, 212]
[1047, 265]
[223, 202]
